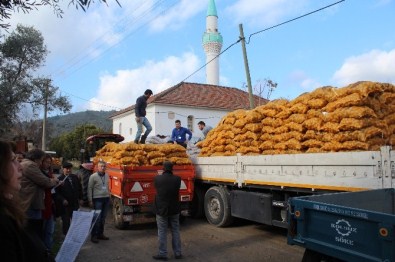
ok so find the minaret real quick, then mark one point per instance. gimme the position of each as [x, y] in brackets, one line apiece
[212, 44]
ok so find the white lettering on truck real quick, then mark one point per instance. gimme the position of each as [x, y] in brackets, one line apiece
[344, 229]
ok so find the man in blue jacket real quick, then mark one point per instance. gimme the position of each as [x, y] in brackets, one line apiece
[141, 120]
[179, 135]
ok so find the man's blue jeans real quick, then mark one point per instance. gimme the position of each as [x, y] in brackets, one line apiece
[102, 204]
[163, 223]
[143, 122]
[48, 230]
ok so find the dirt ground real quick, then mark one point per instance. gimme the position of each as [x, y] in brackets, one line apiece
[243, 241]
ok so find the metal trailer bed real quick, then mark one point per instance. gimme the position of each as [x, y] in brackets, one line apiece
[351, 226]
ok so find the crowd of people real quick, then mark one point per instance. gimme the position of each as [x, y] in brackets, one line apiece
[32, 197]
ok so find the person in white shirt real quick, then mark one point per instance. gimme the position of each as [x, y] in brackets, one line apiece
[99, 199]
[205, 129]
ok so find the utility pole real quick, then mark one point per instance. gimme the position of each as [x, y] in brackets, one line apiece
[243, 46]
[43, 140]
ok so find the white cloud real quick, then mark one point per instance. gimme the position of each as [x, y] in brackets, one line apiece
[376, 65]
[122, 89]
[382, 2]
[301, 79]
[175, 17]
[80, 36]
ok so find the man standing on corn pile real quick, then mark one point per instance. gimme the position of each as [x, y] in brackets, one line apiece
[141, 105]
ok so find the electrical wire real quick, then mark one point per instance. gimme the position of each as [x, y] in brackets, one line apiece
[79, 57]
[123, 39]
[240, 39]
[296, 18]
[84, 99]
[211, 60]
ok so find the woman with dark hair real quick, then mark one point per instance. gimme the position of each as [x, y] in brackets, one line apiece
[15, 242]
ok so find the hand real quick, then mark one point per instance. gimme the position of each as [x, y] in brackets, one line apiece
[65, 202]
[137, 119]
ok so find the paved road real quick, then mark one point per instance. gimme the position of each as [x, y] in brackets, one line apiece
[244, 241]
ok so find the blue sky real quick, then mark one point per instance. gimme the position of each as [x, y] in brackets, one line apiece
[105, 58]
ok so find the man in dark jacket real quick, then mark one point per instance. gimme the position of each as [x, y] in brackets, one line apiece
[141, 120]
[167, 207]
[68, 196]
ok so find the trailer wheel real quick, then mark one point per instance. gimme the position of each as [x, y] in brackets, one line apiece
[198, 203]
[217, 207]
[117, 211]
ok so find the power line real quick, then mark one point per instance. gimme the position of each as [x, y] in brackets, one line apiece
[157, 4]
[123, 39]
[296, 18]
[211, 60]
[142, 15]
[249, 38]
[114, 107]
[79, 57]
[200, 68]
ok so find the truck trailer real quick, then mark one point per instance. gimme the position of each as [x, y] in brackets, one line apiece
[348, 226]
[258, 188]
[133, 193]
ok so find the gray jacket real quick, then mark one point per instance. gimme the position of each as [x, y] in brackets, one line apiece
[33, 185]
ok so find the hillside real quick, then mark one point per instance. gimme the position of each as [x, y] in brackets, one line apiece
[66, 123]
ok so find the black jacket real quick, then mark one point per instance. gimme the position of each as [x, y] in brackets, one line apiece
[17, 245]
[167, 200]
[141, 105]
[71, 191]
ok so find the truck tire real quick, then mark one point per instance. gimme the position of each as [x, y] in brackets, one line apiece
[117, 211]
[197, 210]
[217, 207]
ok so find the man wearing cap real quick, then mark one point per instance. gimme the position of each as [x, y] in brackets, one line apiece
[141, 120]
[68, 195]
[167, 208]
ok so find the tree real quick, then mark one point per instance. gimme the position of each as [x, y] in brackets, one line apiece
[261, 86]
[7, 7]
[268, 85]
[69, 145]
[22, 53]
[45, 95]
